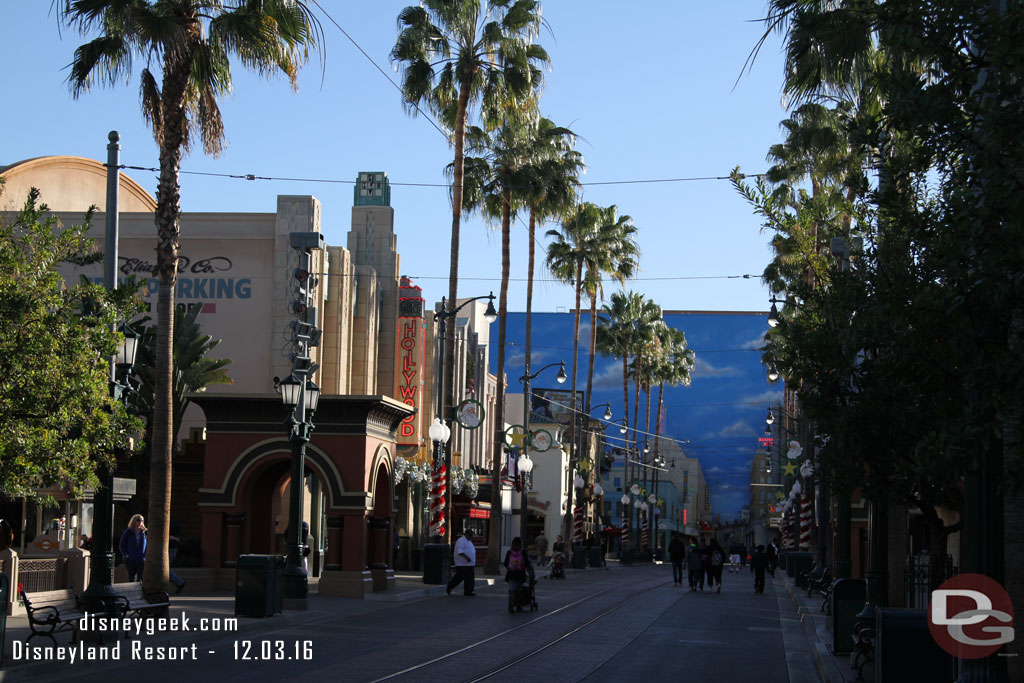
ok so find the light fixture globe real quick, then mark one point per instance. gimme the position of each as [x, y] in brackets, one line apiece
[561, 375]
[525, 464]
[623, 428]
[773, 373]
[578, 482]
[598, 490]
[438, 431]
[290, 388]
[490, 315]
[771, 417]
[608, 413]
[625, 499]
[312, 396]
[128, 347]
[773, 314]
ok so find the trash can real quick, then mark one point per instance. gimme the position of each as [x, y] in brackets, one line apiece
[847, 600]
[259, 585]
[436, 563]
[797, 564]
[902, 631]
[579, 557]
[5, 591]
[596, 556]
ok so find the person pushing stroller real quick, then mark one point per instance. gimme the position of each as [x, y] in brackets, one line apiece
[520, 577]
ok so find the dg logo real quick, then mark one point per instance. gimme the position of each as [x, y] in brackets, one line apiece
[970, 616]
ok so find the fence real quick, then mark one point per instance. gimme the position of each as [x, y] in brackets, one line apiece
[42, 574]
[917, 579]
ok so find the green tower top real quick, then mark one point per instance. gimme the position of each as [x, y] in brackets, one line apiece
[372, 189]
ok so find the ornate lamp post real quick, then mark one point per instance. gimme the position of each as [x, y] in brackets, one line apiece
[443, 409]
[525, 381]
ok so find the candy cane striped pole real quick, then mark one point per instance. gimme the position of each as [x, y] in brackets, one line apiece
[577, 524]
[625, 527]
[437, 497]
[644, 535]
[805, 522]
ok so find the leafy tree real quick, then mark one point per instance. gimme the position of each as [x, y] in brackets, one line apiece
[189, 43]
[455, 54]
[58, 421]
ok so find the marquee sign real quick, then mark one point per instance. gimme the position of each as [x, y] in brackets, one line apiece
[409, 361]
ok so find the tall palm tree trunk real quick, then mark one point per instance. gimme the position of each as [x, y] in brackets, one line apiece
[593, 347]
[156, 571]
[493, 560]
[625, 415]
[567, 520]
[458, 173]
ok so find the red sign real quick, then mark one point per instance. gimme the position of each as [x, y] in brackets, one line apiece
[409, 362]
[765, 442]
[970, 616]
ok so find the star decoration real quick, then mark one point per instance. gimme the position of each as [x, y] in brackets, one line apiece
[790, 469]
[517, 438]
[779, 495]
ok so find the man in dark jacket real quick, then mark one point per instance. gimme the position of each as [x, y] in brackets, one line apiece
[758, 564]
[696, 568]
[676, 553]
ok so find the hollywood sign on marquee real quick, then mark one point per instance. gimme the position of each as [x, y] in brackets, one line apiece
[409, 374]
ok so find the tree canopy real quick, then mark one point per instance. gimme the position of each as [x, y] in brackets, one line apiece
[58, 420]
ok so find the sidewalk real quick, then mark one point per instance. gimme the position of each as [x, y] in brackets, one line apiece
[817, 627]
[216, 609]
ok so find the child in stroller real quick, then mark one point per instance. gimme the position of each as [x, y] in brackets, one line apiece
[520, 577]
[557, 566]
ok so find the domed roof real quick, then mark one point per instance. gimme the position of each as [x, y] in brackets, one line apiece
[69, 183]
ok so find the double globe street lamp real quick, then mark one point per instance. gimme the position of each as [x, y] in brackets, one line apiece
[525, 464]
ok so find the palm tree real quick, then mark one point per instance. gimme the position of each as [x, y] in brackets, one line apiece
[457, 53]
[617, 257]
[673, 367]
[527, 162]
[191, 42]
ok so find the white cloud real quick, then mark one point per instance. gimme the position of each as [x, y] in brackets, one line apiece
[755, 343]
[738, 428]
[702, 368]
[769, 396]
[607, 375]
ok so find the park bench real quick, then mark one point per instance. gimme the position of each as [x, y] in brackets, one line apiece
[863, 649]
[51, 612]
[137, 602]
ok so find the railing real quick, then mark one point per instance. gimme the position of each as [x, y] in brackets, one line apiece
[917, 580]
[43, 574]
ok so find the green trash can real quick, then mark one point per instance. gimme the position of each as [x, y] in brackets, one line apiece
[436, 563]
[259, 585]
[579, 557]
[847, 600]
[899, 632]
[5, 591]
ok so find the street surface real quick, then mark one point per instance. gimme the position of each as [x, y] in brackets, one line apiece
[616, 625]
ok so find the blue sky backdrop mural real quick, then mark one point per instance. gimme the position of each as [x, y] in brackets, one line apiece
[717, 419]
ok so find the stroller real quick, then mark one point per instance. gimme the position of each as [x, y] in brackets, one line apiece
[524, 595]
[557, 566]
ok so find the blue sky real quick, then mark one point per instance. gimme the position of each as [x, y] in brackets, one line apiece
[648, 86]
[720, 415]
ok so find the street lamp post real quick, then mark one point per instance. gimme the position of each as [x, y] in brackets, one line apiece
[526, 466]
[99, 596]
[442, 455]
[300, 396]
[578, 418]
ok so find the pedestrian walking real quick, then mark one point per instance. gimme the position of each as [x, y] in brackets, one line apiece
[542, 548]
[758, 564]
[772, 555]
[676, 554]
[716, 562]
[133, 547]
[695, 567]
[705, 565]
[465, 563]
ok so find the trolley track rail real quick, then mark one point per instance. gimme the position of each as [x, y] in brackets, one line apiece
[646, 587]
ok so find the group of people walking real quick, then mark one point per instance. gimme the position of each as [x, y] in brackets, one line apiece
[704, 564]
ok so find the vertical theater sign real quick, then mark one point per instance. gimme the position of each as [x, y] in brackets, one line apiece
[409, 375]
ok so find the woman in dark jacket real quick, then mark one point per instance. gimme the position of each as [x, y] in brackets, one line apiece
[133, 547]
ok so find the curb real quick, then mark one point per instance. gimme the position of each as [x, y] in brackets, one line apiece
[824, 662]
